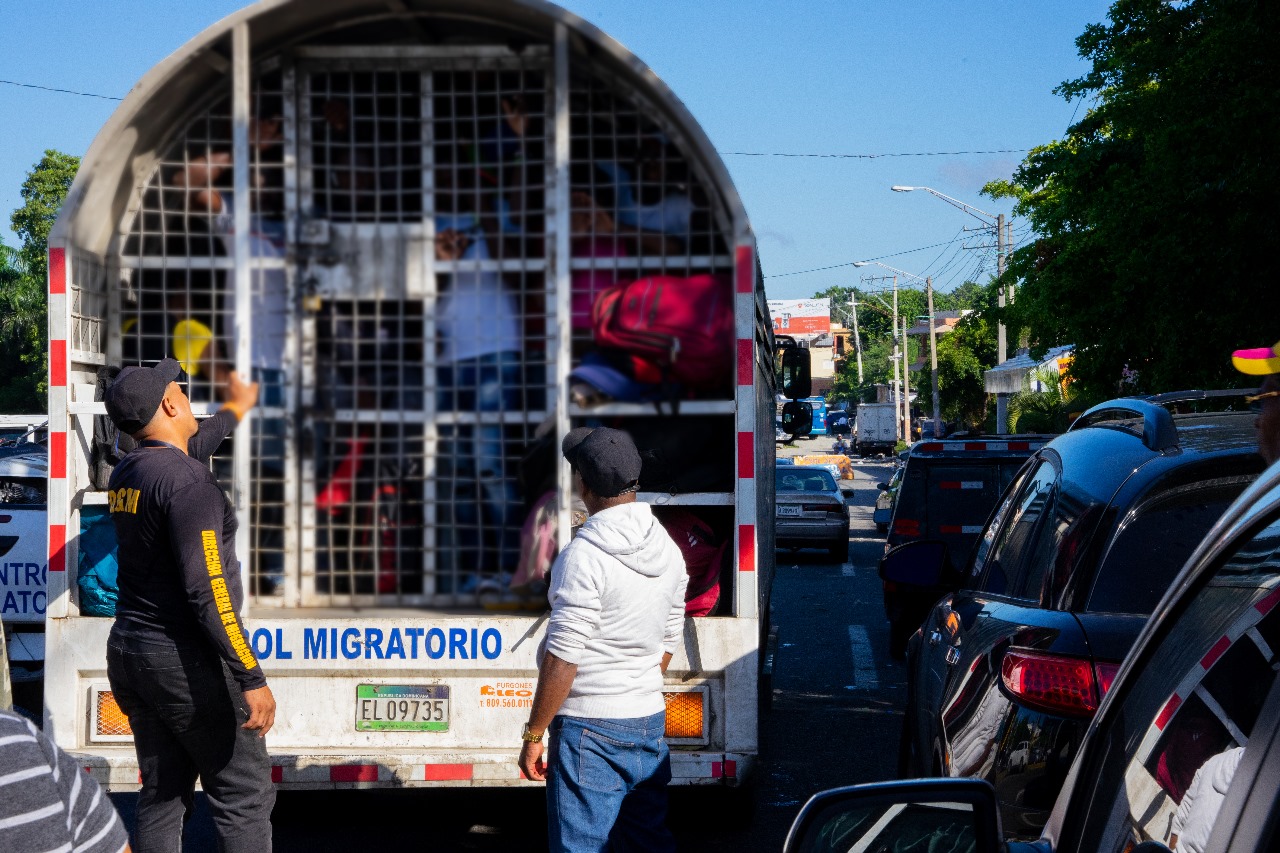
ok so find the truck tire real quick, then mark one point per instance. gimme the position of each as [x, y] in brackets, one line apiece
[839, 549]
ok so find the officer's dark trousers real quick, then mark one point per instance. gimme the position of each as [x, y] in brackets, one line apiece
[186, 713]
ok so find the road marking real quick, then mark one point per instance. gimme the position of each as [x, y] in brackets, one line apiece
[864, 664]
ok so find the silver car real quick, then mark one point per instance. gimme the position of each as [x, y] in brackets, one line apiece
[810, 510]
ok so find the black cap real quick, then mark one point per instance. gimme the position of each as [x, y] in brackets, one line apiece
[136, 392]
[606, 458]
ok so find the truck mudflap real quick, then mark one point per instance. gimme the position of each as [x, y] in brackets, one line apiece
[117, 769]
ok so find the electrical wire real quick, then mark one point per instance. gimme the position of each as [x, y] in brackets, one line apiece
[871, 156]
[851, 263]
[62, 91]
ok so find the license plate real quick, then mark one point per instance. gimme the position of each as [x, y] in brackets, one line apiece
[402, 708]
[788, 512]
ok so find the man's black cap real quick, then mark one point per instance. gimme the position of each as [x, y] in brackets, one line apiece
[606, 458]
[136, 392]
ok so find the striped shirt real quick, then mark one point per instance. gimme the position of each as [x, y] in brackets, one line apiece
[47, 803]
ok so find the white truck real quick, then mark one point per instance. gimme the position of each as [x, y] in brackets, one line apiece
[391, 216]
[24, 469]
[876, 428]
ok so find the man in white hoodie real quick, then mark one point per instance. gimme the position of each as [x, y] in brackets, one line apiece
[617, 614]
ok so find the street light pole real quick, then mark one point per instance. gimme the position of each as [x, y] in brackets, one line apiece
[1002, 247]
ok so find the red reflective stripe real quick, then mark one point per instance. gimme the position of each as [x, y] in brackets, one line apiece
[746, 269]
[1219, 649]
[57, 456]
[1170, 708]
[1019, 445]
[57, 547]
[58, 364]
[931, 447]
[277, 773]
[1268, 604]
[746, 455]
[448, 772]
[353, 773]
[951, 484]
[746, 547]
[726, 769]
[57, 271]
[950, 528]
[746, 364]
[975, 445]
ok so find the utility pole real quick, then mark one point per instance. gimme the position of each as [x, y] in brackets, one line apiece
[900, 409]
[857, 338]
[906, 387]
[933, 354]
[1002, 399]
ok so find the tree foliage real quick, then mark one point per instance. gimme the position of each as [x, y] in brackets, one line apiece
[1156, 214]
[23, 276]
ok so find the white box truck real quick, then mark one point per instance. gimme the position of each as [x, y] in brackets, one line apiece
[395, 217]
[876, 428]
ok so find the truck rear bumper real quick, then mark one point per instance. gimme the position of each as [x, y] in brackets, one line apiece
[116, 769]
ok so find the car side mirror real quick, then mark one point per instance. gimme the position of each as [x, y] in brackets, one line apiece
[918, 814]
[797, 418]
[795, 378]
[922, 563]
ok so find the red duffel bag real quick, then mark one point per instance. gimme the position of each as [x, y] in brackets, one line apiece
[682, 327]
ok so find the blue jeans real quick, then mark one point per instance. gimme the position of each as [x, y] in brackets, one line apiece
[186, 713]
[478, 521]
[607, 785]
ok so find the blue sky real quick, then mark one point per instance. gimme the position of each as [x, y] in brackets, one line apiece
[885, 77]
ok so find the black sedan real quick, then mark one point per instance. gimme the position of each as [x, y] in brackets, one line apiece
[1007, 670]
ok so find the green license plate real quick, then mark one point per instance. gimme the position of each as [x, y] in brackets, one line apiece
[402, 708]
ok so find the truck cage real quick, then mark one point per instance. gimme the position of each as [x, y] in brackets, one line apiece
[431, 190]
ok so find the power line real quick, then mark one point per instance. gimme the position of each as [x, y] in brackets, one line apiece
[851, 263]
[63, 91]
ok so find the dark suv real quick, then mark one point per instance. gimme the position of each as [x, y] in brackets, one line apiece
[947, 491]
[1007, 670]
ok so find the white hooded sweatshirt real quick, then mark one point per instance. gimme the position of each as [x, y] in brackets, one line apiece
[1194, 820]
[617, 604]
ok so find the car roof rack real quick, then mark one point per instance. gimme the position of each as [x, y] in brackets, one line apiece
[1185, 396]
[1158, 432]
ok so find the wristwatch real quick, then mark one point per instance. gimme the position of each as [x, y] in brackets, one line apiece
[529, 737]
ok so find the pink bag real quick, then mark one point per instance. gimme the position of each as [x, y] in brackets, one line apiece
[681, 326]
[538, 547]
[704, 557]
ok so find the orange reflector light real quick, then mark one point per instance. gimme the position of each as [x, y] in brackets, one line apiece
[109, 719]
[684, 714]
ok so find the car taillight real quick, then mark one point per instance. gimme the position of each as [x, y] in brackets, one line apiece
[1053, 683]
[1105, 673]
[906, 527]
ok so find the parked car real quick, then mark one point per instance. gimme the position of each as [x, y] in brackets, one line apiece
[1078, 553]
[948, 490]
[24, 471]
[1184, 750]
[811, 511]
[885, 500]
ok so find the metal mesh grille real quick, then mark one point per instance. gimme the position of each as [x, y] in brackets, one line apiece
[111, 721]
[403, 326]
[88, 290]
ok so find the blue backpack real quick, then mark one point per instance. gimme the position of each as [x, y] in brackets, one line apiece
[99, 587]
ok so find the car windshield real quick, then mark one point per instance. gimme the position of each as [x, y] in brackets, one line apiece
[796, 479]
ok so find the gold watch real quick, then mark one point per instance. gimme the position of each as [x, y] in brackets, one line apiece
[529, 737]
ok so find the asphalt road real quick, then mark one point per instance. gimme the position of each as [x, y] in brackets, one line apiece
[834, 720]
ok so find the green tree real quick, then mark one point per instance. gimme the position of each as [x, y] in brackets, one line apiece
[1156, 214]
[965, 354]
[23, 276]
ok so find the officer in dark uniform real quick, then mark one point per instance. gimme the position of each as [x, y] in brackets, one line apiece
[178, 657]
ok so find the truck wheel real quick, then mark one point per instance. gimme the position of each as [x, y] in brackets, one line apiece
[839, 549]
[882, 528]
[899, 634]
